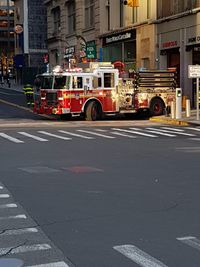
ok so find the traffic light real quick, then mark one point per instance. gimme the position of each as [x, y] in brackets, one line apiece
[131, 3]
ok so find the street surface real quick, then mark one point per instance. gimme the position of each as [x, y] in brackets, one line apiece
[114, 193]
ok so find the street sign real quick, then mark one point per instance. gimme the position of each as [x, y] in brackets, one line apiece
[194, 71]
[91, 51]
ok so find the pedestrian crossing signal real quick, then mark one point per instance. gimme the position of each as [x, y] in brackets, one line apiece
[131, 3]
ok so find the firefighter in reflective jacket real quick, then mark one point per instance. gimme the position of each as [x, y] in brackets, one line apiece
[28, 91]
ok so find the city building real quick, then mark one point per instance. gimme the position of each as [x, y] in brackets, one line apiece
[30, 39]
[6, 36]
[101, 30]
[178, 40]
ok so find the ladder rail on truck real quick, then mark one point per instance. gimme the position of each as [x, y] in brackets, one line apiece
[156, 90]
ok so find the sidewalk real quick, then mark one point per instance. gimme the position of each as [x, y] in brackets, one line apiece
[13, 86]
[184, 121]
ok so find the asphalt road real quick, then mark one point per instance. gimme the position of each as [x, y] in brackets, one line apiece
[115, 197]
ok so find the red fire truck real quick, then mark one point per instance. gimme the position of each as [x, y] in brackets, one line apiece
[98, 90]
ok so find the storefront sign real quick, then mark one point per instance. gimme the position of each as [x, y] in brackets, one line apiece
[69, 52]
[170, 44]
[123, 36]
[193, 40]
[91, 51]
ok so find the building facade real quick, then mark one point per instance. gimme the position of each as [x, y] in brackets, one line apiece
[101, 30]
[178, 40]
[6, 36]
[30, 39]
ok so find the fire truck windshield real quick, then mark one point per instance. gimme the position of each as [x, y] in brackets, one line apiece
[55, 82]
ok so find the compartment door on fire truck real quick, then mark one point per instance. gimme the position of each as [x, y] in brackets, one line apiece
[109, 88]
[77, 93]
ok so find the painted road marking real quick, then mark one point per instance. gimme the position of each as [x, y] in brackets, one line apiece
[54, 135]
[76, 135]
[194, 139]
[20, 216]
[173, 129]
[160, 133]
[97, 134]
[4, 196]
[5, 206]
[191, 241]
[134, 132]
[52, 264]
[193, 128]
[20, 231]
[10, 138]
[123, 134]
[173, 132]
[22, 249]
[33, 136]
[138, 256]
[1, 187]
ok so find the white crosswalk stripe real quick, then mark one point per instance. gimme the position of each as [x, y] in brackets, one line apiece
[138, 256]
[190, 241]
[156, 131]
[170, 131]
[54, 135]
[193, 129]
[23, 249]
[76, 135]
[10, 138]
[33, 136]
[123, 134]
[97, 134]
[134, 132]
[52, 264]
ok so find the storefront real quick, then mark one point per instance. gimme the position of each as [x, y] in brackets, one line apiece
[120, 46]
[170, 51]
[193, 47]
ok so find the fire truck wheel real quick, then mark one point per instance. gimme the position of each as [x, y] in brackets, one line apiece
[157, 107]
[92, 112]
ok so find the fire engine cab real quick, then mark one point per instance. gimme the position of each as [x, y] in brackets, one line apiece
[98, 90]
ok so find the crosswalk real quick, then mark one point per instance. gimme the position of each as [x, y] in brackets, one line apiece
[143, 259]
[25, 242]
[20, 137]
[33, 247]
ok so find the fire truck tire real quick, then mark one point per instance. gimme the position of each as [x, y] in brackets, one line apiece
[92, 112]
[157, 107]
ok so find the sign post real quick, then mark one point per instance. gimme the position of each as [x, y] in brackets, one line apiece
[194, 72]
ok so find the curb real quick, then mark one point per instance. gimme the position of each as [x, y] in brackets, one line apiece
[172, 121]
[23, 108]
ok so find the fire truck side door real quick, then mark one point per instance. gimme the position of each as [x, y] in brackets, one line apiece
[77, 93]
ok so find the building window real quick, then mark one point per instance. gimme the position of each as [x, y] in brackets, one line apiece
[71, 17]
[89, 13]
[56, 19]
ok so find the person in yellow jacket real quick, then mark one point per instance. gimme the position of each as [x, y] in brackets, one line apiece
[28, 91]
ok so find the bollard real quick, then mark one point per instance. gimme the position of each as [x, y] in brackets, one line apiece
[173, 110]
[178, 103]
[188, 108]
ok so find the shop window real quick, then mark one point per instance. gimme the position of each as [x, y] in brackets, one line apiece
[130, 51]
[112, 53]
[108, 80]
